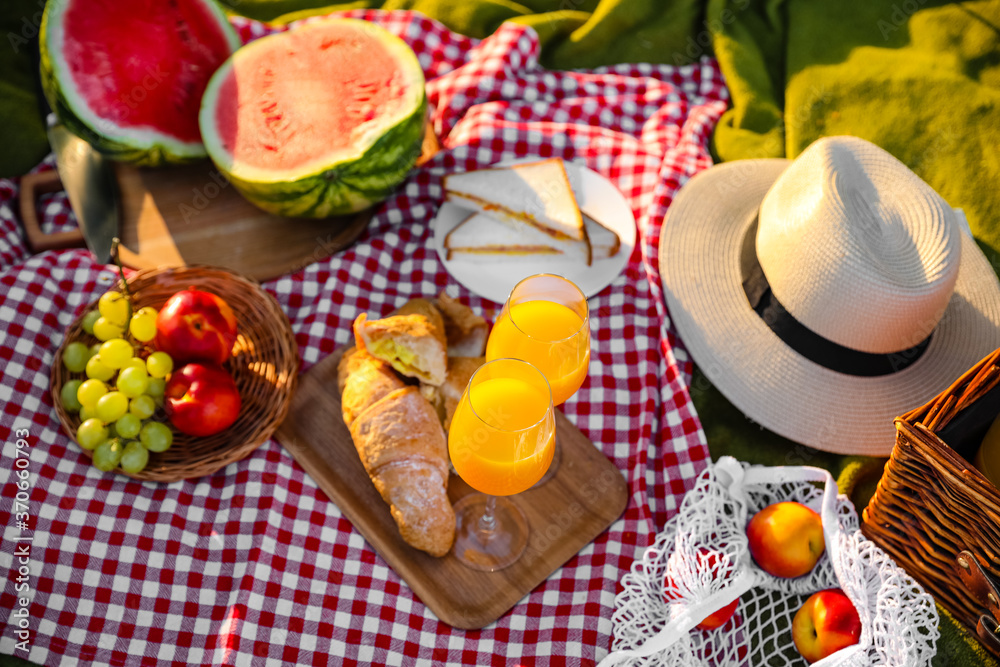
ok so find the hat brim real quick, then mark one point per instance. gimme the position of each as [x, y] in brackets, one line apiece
[699, 255]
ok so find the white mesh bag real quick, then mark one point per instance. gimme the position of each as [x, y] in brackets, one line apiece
[654, 622]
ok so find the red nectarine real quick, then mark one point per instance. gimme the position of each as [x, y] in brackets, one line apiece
[709, 559]
[201, 400]
[786, 539]
[826, 623]
[194, 325]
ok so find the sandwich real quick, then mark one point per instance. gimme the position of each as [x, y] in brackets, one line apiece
[482, 234]
[484, 237]
[604, 242]
[412, 340]
[534, 196]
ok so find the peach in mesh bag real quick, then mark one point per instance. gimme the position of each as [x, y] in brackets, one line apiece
[657, 627]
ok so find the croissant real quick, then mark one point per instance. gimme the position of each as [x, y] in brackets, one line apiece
[402, 447]
[362, 380]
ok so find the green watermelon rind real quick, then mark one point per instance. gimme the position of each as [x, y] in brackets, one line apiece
[145, 148]
[350, 186]
[346, 184]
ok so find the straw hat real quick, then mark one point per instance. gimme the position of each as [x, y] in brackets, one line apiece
[869, 295]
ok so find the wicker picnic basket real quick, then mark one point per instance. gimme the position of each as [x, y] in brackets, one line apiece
[931, 503]
[264, 364]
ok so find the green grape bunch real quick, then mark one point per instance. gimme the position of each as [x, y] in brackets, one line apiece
[116, 385]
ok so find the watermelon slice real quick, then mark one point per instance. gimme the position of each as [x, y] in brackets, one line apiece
[129, 76]
[324, 119]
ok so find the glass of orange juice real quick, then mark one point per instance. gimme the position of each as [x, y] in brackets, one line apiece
[501, 440]
[546, 321]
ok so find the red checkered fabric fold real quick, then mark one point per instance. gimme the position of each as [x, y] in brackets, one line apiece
[254, 565]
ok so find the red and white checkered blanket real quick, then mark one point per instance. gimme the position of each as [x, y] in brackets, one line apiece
[255, 565]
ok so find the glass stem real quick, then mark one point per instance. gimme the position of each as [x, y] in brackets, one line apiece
[488, 521]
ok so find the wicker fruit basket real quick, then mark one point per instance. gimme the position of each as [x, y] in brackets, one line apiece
[931, 503]
[264, 364]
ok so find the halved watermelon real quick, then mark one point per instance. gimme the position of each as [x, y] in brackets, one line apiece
[324, 119]
[129, 76]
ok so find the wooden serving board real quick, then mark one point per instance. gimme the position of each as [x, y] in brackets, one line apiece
[191, 215]
[586, 495]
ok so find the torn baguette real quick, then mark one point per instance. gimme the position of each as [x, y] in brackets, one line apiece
[465, 331]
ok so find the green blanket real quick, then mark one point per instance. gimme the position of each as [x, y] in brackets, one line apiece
[920, 79]
[20, 115]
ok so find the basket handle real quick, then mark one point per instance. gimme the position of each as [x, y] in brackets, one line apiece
[791, 474]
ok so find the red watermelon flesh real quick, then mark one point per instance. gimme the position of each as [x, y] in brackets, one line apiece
[144, 63]
[318, 89]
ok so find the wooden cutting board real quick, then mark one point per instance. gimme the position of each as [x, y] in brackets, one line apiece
[190, 214]
[587, 494]
[187, 215]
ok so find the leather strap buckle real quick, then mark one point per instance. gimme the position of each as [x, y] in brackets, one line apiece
[986, 590]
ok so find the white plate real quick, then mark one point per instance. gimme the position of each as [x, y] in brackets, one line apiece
[493, 279]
